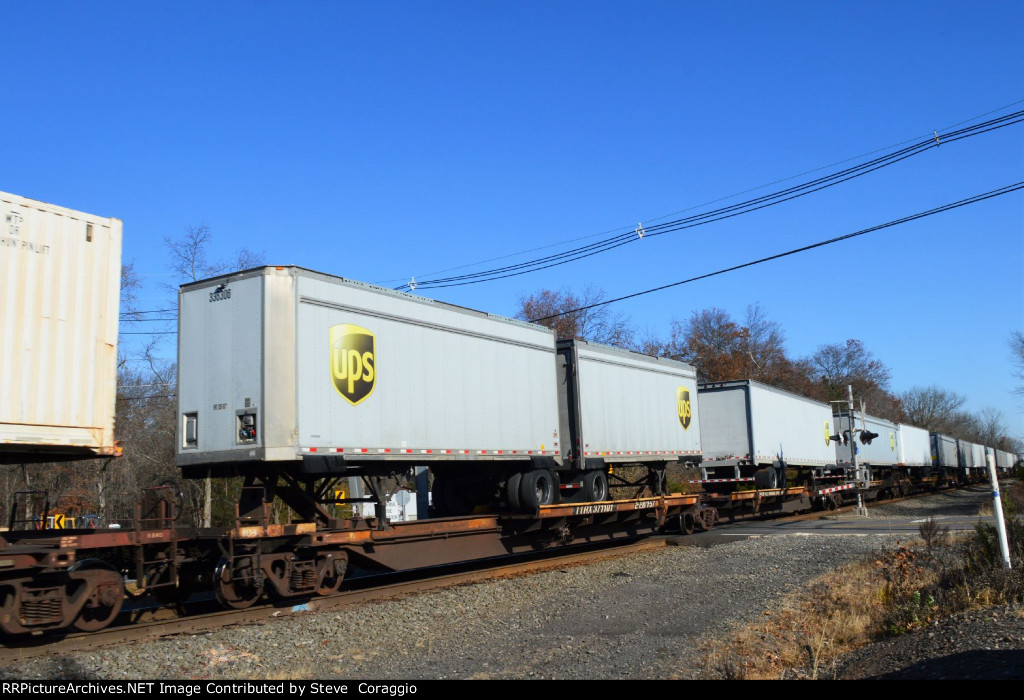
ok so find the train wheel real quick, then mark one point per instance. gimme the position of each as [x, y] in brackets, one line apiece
[595, 486]
[106, 597]
[536, 489]
[237, 593]
[686, 523]
[9, 603]
[332, 573]
[512, 491]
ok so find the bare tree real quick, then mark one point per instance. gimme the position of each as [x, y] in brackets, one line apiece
[722, 349]
[558, 310]
[130, 286]
[851, 363]
[1017, 355]
[932, 408]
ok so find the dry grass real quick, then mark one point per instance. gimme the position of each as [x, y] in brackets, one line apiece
[808, 633]
[859, 603]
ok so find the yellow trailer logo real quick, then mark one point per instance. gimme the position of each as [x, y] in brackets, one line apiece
[683, 407]
[353, 362]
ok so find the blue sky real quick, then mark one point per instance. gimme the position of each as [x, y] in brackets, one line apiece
[378, 141]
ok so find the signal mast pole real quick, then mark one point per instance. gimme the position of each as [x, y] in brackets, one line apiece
[861, 510]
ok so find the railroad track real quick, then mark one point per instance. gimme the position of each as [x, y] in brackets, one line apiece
[157, 622]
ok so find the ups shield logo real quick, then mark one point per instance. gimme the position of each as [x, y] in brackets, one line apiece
[683, 407]
[353, 362]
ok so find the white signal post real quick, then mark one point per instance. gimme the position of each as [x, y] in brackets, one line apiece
[997, 505]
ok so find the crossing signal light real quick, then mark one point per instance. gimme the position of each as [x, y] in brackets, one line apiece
[846, 437]
[866, 436]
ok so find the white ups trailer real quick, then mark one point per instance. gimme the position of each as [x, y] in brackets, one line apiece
[623, 406]
[60, 280]
[320, 375]
[751, 429]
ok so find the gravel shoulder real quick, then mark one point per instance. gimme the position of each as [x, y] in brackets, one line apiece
[638, 617]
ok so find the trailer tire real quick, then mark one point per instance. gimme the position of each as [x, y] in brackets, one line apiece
[595, 486]
[536, 489]
[767, 478]
[512, 485]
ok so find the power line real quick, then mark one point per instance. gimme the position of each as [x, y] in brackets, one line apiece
[933, 141]
[937, 210]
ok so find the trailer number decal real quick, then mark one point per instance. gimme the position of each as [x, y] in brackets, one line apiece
[683, 407]
[353, 361]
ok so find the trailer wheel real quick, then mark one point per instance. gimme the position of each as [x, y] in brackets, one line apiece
[595, 486]
[767, 478]
[512, 491]
[536, 489]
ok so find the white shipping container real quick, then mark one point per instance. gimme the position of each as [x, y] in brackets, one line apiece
[60, 279]
[281, 363]
[631, 407]
[753, 422]
[914, 445]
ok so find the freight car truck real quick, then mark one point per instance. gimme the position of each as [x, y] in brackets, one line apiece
[60, 274]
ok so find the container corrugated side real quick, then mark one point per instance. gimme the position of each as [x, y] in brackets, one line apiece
[60, 275]
[914, 446]
[634, 407]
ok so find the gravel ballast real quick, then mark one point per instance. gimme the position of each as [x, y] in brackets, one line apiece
[634, 617]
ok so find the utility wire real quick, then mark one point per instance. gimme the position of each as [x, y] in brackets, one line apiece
[937, 210]
[715, 201]
[761, 202]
